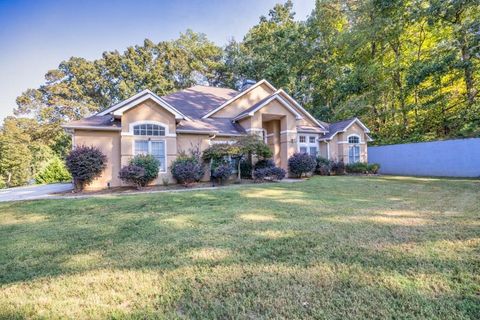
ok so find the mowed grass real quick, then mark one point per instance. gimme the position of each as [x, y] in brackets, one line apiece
[327, 248]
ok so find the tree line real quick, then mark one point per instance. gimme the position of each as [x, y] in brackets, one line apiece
[408, 69]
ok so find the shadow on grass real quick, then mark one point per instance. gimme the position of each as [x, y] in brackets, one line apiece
[296, 226]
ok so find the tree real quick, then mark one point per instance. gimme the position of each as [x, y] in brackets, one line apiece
[15, 157]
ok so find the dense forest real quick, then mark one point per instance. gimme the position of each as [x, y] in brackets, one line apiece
[409, 69]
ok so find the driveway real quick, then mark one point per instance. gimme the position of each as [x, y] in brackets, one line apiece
[33, 192]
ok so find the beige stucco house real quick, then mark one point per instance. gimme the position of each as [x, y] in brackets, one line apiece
[200, 116]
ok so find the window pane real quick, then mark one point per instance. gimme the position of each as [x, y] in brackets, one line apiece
[158, 151]
[353, 139]
[312, 139]
[302, 139]
[148, 129]
[141, 147]
[303, 149]
[313, 151]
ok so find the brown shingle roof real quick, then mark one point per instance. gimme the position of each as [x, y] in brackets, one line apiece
[95, 121]
[198, 100]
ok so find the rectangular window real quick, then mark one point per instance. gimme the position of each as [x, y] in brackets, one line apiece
[302, 139]
[303, 149]
[158, 151]
[354, 154]
[154, 148]
[312, 139]
[141, 147]
[313, 151]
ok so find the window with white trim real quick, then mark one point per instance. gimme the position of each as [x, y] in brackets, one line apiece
[156, 148]
[308, 144]
[148, 129]
[353, 149]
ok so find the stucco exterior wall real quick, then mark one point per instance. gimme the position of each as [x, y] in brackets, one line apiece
[109, 143]
[339, 146]
[243, 103]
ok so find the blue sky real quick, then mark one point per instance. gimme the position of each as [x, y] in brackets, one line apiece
[36, 36]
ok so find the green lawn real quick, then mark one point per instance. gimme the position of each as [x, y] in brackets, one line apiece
[330, 247]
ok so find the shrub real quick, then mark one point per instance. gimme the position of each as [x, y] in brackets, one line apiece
[324, 166]
[133, 174]
[55, 171]
[222, 172]
[357, 167]
[245, 169]
[269, 173]
[149, 164]
[264, 163]
[187, 170]
[373, 168]
[85, 164]
[277, 173]
[338, 168]
[301, 163]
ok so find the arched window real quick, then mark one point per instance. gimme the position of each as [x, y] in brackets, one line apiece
[147, 129]
[353, 149]
[354, 139]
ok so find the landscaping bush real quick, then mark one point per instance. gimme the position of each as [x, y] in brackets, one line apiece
[55, 171]
[133, 174]
[362, 167]
[245, 169]
[301, 163]
[149, 164]
[338, 168]
[269, 173]
[323, 167]
[264, 163]
[357, 167]
[373, 168]
[277, 173]
[187, 170]
[222, 172]
[85, 164]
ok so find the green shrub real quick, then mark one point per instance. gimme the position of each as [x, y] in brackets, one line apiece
[338, 168]
[245, 169]
[264, 163]
[149, 164]
[373, 168]
[324, 166]
[55, 171]
[301, 163]
[85, 164]
[357, 167]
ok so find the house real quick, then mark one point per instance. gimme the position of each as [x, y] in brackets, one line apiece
[202, 115]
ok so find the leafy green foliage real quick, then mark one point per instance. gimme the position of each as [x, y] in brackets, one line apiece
[301, 163]
[15, 156]
[55, 171]
[85, 164]
[149, 164]
[324, 166]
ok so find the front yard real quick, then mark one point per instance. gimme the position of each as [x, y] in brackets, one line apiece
[330, 247]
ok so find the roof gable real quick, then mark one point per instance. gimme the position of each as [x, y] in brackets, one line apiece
[343, 126]
[239, 95]
[262, 103]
